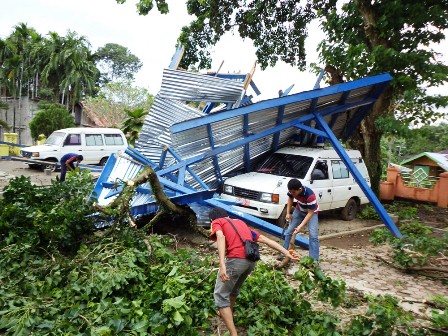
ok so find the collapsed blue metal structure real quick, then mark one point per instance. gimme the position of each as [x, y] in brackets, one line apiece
[191, 150]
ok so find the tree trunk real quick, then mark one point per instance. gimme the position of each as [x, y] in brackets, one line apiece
[368, 136]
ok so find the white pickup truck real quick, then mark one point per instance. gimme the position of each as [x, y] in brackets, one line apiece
[263, 192]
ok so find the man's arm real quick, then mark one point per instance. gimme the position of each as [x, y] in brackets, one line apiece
[276, 246]
[305, 220]
[67, 163]
[221, 243]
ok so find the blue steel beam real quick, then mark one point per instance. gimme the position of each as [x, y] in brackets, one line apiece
[256, 222]
[103, 177]
[276, 138]
[381, 80]
[181, 199]
[177, 57]
[318, 80]
[358, 177]
[287, 91]
[189, 170]
[238, 143]
[246, 146]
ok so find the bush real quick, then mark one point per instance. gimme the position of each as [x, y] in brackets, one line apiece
[52, 218]
[50, 118]
[46, 94]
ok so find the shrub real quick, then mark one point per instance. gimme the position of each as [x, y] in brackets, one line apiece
[50, 118]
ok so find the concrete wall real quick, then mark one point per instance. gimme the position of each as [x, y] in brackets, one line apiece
[394, 186]
[19, 115]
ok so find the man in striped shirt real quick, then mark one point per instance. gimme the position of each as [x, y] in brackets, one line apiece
[306, 212]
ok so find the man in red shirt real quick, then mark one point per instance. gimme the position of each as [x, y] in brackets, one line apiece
[234, 268]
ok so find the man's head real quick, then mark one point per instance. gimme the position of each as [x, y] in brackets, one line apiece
[217, 213]
[295, 187]
[79, 158]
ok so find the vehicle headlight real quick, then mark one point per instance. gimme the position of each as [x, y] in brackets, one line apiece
[228, 189]
[36, 154]
[268, 197]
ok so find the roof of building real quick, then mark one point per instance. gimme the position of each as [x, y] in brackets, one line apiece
[439, 158]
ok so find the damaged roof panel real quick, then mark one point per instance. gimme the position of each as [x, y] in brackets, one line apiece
[188, 86]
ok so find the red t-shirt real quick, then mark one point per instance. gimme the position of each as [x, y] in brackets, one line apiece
[234, 246]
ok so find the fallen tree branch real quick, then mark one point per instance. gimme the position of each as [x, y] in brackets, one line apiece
[120, 206]
[413, 269]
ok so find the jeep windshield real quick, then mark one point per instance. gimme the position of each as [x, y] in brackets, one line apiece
[55, 138]
[286, 165]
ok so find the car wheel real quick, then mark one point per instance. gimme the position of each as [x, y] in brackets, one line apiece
[350, 210]
[103, 161]
[51, 167]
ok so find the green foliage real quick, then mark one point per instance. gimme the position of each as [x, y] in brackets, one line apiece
[46, 94]
[384, 317]
[49, 118]
[3, 105]
[368, 212]
[132, 125]
[110, 288]
[271, 306]
[440, 300]
[416, 248]
[4, 124]
[278, 32]
[117, 63]
[440, 319]
[401, 209]
[112, 284]
[51, 218]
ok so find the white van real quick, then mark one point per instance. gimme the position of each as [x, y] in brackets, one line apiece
[263, 193]
[94, 144]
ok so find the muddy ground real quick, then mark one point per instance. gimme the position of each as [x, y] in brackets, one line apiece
[345, 252]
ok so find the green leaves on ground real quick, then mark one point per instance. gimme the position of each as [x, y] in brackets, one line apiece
[58, 277]
[416, 248]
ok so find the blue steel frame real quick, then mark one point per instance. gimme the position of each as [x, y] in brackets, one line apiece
[378, 82]
[172, 177]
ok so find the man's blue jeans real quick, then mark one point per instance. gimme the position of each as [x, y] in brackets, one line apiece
[313, 231]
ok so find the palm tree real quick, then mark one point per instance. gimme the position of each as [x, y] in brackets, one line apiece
[71, 65]
[80, 71]
[6, 52]
[133, 124]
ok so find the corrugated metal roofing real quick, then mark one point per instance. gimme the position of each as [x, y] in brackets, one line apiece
[215, 144]
[190, 86]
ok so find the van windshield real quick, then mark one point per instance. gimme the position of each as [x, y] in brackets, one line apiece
[286, 165]
[55, 138]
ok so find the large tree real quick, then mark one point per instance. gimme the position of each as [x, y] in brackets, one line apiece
[116, 63]
[363, 37]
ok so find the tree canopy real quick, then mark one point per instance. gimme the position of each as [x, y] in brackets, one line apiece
[59, 68]
[116, 63]
[363, 38]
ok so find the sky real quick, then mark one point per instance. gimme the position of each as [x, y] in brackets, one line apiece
[152, 39]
